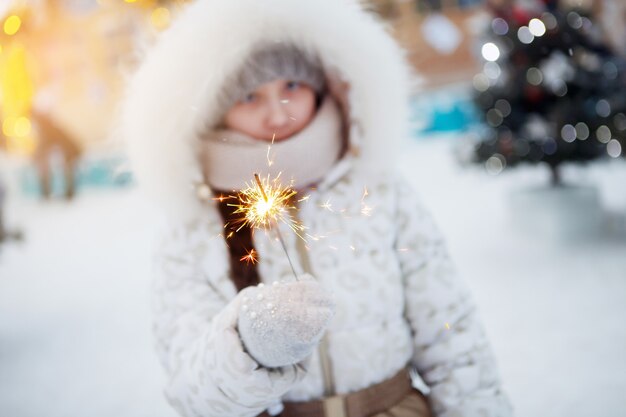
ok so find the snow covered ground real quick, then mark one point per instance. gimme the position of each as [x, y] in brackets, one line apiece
[74, 314]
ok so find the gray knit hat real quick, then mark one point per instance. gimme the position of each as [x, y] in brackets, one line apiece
[271, 62]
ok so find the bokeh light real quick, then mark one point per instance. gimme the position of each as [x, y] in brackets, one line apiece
[574, 20]
[549, 147]
[492, 70]
[614, 148]
[603, 108]
[603, 134]
[503, 106]
[495, 164]
[620, 121]
[524, 35]
[12, 25]
[568, 133]
[536, 27]
[499, 26]
[534, 76]
[480, 82]
[494, 117]
[22, 127]
[8, 126]
[582, 131]
[549, 20]
[490, 51]
[559, 88]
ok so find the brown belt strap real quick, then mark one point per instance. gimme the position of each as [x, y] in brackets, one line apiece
[363, 403]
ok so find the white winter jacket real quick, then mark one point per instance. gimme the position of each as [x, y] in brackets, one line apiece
[375, 247]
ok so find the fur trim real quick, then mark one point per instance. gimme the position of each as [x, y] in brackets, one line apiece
[173, 97]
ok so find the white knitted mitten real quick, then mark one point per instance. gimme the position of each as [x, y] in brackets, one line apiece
[280, 324]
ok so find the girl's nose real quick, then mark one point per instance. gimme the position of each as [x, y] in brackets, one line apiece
[277, 113]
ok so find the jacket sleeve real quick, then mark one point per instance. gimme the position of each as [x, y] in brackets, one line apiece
[209, 373]
[451, 351]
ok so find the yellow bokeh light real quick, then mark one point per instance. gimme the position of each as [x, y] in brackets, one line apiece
[160, 18]
[12, 25]
[130, 1]
[8, 126]
[22, 127]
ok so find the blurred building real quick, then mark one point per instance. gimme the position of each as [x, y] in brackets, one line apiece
[438, 34]
[69, 59]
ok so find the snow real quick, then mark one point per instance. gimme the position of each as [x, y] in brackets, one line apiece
[74, 312]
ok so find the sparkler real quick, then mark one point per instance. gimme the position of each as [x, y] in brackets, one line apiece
[264, 204]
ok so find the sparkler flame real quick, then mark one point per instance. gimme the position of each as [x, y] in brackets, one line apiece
[265, 202]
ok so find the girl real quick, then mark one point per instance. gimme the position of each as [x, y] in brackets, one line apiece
[325, 88]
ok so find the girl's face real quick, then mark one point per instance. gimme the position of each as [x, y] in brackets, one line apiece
[277, 109]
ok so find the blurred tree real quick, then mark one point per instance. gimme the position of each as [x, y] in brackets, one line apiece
[550, 90]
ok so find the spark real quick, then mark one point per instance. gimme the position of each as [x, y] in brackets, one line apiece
[270, 162]
[250, 257]
[225, 239]
[447, 326]
[365, 209]
[327, 206]
[266, 201]
[221, 198]
[313, 237]
[352, 247]
[403, 250]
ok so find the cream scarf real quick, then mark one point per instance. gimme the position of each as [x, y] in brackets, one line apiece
[229, 158]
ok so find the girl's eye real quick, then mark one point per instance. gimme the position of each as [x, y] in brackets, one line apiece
[292, 85]
[250, 98]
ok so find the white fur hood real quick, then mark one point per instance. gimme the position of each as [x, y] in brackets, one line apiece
[173, 97]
